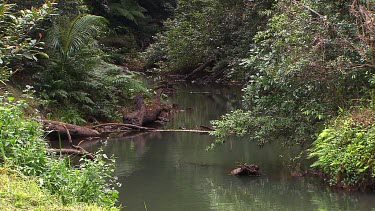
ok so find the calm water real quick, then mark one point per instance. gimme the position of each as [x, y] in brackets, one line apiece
[172, 171]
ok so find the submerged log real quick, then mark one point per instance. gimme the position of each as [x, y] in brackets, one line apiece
[246, 170]
[61, 128]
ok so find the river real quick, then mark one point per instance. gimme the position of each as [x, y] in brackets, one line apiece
[173, 171]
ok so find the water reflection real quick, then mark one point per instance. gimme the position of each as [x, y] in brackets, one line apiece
[172, 171]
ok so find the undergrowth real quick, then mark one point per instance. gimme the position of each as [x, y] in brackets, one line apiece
[23, 149]
[345, 149]
[18, 192]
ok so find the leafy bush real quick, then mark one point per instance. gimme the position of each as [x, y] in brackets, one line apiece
[15, 40]
[22, 148]
[345, 149]
[91, 183]
[20, 142]
[207, 30]
[300, 71]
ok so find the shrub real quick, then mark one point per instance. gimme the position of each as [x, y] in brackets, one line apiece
[207, 30]
[22, 148]
[300, 71]
[345, 149]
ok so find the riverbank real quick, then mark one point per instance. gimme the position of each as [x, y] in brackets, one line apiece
[19, 192]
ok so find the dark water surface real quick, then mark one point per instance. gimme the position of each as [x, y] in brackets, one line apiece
[172, 171]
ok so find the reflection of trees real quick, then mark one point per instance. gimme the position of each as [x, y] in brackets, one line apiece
[263, 194]
[205, 104]
[128, 151]
[172, 171]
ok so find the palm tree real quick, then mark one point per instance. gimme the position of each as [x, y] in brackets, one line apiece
[67, 37]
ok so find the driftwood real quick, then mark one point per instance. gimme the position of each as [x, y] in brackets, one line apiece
[136, 118]
[246, 170]
[61, 128]
[182, 130]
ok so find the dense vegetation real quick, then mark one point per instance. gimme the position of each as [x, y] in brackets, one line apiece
[306, 65]
[307, 68]
[69, 72]
[204, 31]
[312, 60]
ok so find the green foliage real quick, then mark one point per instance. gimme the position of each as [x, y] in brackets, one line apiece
[344, 151]
[15, 40]
[77, 76]
[20, 141]
[130, 9]
[207, 30]
[300, 70]
[92, 183]
[67, 38]
[261, 128]
[22, 148]
[18, 192]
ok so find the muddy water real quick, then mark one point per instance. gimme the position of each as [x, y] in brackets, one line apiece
[172, 171]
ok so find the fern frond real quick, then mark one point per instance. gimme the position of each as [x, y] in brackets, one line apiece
[129, 9]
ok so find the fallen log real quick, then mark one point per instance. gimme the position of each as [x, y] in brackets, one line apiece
[61, 128]
[246, 170]
[116, 128]
[77, 150]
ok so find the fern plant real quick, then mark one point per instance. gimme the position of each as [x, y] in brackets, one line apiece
[130, 9]
[77, 77]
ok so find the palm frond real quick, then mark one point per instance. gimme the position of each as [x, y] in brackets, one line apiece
[68, 37]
